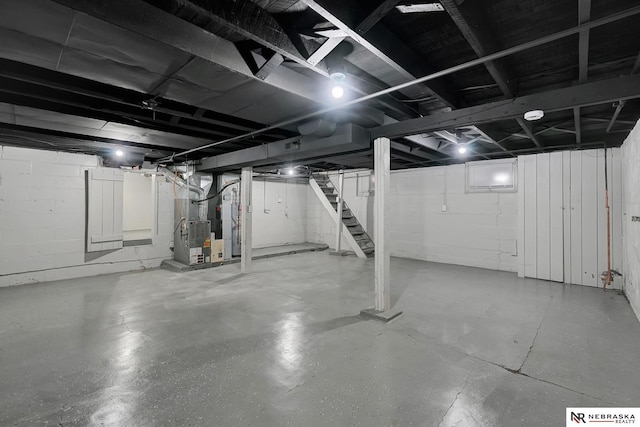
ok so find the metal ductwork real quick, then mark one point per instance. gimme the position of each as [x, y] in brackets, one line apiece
[346, 138]
[317, 127]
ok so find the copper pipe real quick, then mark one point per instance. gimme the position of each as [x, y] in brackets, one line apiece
[606, 281]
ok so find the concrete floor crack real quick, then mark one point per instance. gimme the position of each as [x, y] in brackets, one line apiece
[533, 341]
[510, 370]
[455, 399]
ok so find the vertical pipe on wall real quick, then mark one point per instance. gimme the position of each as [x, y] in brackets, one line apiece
[245, 219]
[382, 162]
[339, 210]
[608, 279]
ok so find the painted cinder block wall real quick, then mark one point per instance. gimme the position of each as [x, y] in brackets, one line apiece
[631, 208]
[477, 229]
[42, 220]
[279, 213]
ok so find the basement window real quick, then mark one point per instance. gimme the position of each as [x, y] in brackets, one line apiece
[491, 176]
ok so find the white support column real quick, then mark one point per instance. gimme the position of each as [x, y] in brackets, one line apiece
[339, 210]
[382, 170]
[246, 181]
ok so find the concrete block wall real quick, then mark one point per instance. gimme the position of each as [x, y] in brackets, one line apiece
[631, 208]
[42, 220]
[279, 213]
[477, 229]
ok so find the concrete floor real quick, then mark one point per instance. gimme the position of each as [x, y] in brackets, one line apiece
[284, 346]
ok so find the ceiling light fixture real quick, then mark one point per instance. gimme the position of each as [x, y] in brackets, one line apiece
[290, 171]
[338, 75]
[337, 91]
[533, 115]
[119, 153]
[462, 150]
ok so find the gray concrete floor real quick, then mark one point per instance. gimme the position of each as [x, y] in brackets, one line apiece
[285, 346]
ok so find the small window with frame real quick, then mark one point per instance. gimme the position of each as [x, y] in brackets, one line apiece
[490, 176]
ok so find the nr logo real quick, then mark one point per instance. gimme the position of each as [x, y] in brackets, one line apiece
[577, 417]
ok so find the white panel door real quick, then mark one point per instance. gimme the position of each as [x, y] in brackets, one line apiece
[104, 209]
[576, 218]
[530, 213]
[589, 211]
[562, 219]
[556, 218]
[543, 270]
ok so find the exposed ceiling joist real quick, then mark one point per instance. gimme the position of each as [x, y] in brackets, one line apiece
[584, 14]
[270, 66]
[177, 33]
[470, 20]
[376, 15]
[325, 49]
[172, 31]
[242, 16]
[383, 44]
[620, 106]
[587, 94]
[396, 146]
[528, 129]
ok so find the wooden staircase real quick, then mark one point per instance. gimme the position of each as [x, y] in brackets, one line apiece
[352, 230]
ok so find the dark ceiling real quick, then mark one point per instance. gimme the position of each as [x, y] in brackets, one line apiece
[164, 77]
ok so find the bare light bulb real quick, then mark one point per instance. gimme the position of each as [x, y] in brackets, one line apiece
[462, 150]
[119, 153]
[290, 171]
[337, 91]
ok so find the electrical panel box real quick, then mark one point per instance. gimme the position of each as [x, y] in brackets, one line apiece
[192, 243]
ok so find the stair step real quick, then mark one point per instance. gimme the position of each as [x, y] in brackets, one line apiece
[368, 250]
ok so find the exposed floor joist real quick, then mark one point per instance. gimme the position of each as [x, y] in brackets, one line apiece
[384, 45]
[470, 20]
[595, 93]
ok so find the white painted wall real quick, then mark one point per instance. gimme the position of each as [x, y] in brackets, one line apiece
[478, 229]
[631, 207]
[42, 220]
[138, 206]
[563, 227]
[279, 213]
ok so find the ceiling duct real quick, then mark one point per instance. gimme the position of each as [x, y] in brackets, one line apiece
[317, 127]
[347, 138]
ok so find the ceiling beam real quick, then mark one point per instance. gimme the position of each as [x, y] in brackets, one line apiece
[599, 92]
[620, 106]
[528, 129]
[77, 92]
[470, 20]
[242, 16]
[158, 25]
[399, 147]
[584, 14]
[325, 49]
[170, 30]
[384, 45]
[376, 15]
[270, 66]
